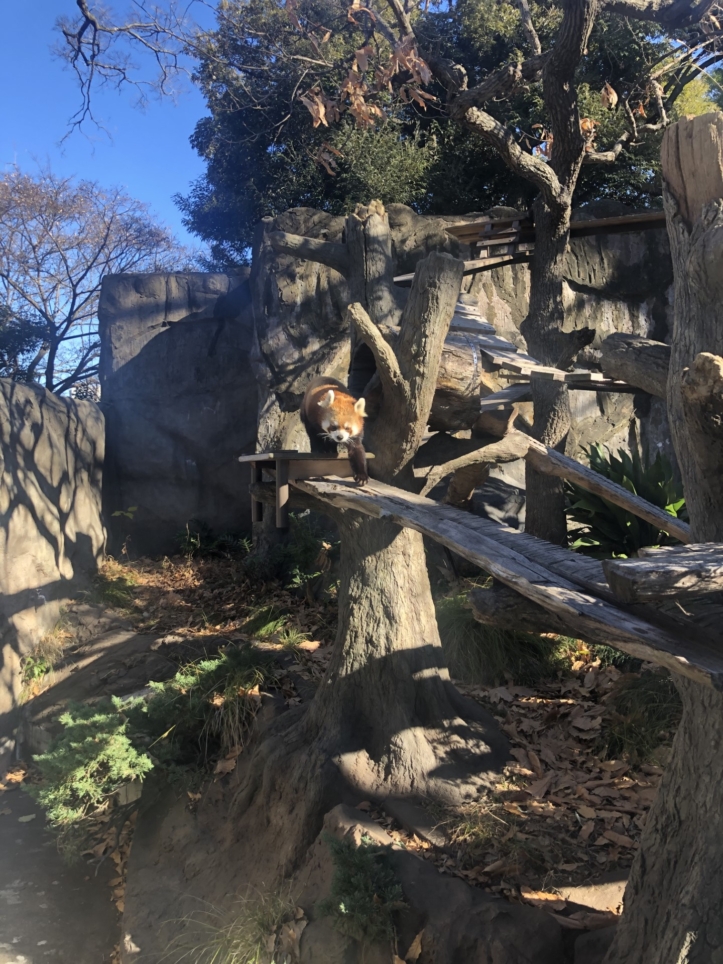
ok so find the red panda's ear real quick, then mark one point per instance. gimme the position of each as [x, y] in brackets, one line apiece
[360, 407]
[328, 400]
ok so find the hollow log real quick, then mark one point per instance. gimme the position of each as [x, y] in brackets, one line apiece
[638, 361]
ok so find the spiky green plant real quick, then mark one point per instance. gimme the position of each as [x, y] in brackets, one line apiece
[604, 529]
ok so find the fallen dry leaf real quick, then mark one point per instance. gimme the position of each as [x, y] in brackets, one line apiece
[225, 766]
[618, 838]
[587, 812]
[5, 811]
[415, 948]
[540, 787]
[542, 898]
[27, 818]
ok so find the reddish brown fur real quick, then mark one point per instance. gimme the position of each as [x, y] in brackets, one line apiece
[332, 420]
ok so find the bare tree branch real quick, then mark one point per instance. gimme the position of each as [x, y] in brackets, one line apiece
[388, 368]
[668, 13]
[528, 26]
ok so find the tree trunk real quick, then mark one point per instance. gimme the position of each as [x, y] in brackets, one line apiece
[386, 719]
[388, 713]
[542, 329]
[675, 893]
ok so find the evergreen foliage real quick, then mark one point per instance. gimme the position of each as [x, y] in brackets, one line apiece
[87, 763]
[263, 155]
[364, 891]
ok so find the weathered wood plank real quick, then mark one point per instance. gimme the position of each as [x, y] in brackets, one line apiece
[696, 571]
[550, 462]
[555, 594]
[506, 398]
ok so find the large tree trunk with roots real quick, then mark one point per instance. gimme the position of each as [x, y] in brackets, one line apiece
[674, 896]
[386, 719]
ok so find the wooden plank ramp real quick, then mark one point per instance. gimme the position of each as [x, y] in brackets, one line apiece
[532, 568]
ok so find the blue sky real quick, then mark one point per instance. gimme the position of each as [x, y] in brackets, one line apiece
[148, 153]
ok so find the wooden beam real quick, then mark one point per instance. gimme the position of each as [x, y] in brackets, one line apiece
[696, 570]
[548, 461]
[555, 594]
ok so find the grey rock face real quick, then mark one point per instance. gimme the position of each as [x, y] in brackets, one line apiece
[51, 533]
[180, 401]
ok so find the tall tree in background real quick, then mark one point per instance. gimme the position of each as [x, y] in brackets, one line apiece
[356, 67]
[58, 239]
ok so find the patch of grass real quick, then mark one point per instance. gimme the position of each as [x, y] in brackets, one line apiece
[37, 664]
[207, 708]
[364, 891]
[243, 936]
[91, 758]
[198, 539]
[115, 586]
[645, 713]
[290, 637]
[265, 621]
[488, 655]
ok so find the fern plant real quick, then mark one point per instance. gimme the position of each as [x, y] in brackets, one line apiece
[609, 530]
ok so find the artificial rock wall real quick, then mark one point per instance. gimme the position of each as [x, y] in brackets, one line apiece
[614, 283]
[191, 364]
[51, 532]
[180, 402]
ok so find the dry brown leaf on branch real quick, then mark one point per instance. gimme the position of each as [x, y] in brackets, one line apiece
[325, 156]
[357, 7]
[608, 96]
[361, 57]
[316, 107]
[291, 6]
[225, 766]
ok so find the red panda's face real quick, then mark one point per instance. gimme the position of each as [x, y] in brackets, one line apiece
[340, 419]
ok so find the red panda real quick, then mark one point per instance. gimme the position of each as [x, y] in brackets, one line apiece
[332, 417]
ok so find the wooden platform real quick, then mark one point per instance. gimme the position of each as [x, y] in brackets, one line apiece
[289, 465]
[569, 585]
[500, 241]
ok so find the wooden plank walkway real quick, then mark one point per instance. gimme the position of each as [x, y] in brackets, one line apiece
[535, 570]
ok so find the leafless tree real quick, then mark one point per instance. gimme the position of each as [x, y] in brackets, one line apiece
[58, 239]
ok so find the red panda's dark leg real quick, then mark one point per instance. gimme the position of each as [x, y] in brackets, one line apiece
[358, 461]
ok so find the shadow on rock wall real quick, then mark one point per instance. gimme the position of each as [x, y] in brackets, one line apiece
[180, 403]
[51, 534]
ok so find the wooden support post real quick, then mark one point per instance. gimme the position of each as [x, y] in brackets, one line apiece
[257, 508]
[282, 493]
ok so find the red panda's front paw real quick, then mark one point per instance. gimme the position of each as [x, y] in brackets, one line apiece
[361, 479]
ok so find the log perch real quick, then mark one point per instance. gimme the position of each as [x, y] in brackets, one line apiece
[638, 361]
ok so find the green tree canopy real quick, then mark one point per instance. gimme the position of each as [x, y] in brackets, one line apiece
[267, 149]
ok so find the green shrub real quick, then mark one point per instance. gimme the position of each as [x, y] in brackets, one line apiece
[87, 762]
[608, 530]
[364, 891]
[198, 539]
[206, 709]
